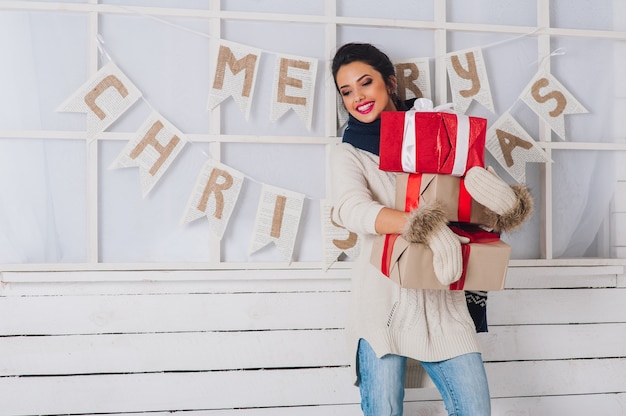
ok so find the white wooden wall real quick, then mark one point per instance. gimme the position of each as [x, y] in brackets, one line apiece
[217, 343]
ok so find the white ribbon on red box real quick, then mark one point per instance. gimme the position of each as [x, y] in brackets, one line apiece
[409, 140]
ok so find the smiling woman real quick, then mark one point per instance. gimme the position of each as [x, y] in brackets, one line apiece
[109, 305]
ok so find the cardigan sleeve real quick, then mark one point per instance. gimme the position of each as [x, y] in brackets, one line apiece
[354, 205]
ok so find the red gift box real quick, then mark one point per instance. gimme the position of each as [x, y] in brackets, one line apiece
[485, 261]
[431, 142]
[415, 189]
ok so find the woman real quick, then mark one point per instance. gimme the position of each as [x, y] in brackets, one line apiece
[389, 326]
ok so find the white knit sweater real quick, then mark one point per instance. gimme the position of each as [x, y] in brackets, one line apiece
[425, 325]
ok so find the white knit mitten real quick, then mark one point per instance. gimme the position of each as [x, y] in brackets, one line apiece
[488, 189]
[427, 224]
[447, 257]
[510, 205]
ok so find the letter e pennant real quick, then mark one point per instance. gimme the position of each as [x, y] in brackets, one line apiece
[294, 87]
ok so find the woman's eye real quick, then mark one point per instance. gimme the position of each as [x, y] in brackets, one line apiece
[367, 82]
[345, 93]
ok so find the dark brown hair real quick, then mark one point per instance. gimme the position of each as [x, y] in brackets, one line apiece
[371, 55]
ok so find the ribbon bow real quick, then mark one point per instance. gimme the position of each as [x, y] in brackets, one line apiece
[409, 145]
[426, 104]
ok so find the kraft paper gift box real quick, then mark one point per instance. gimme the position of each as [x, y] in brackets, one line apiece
[415, 189]
[431, 142]
[485, 262]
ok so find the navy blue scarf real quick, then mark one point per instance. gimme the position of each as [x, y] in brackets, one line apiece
[364, 136]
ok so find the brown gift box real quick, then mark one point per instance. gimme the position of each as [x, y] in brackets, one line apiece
[414, 189]
[411, 264]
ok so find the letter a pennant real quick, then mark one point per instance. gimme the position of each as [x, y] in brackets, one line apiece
[235, 75]
[214, 196]
[277, 220]
[104, 98]
[154, 148]
[513, 147]
[468, 79]
[294, 87]
[547, 97]
[336, 239]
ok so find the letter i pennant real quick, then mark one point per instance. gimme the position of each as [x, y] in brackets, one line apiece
[104, 98]
[154, 148]
[277, 220]
[214, 196]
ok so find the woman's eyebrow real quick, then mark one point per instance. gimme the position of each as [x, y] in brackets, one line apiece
[360, 78]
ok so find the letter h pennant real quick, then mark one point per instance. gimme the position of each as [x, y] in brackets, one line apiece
[153, 149]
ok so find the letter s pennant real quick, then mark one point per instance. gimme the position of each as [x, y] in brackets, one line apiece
[104, 98]
[547, 97]
[214, 196]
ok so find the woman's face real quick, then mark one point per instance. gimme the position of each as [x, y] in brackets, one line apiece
[364, 91]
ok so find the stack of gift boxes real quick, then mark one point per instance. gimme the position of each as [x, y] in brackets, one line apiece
[431, 151]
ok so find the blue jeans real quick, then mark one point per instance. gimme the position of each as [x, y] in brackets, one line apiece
[461, 381]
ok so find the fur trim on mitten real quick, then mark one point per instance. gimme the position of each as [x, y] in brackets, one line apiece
[510, 205]
[423, 221]
[516, 216]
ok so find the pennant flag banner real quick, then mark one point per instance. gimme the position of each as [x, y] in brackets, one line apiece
[109, 93]
[513, 147]
[336, 239]
[294, 88]
[214, 196]
[342, 113]
[154, 148]
[277, 220]
[235, 75]
[547, 97]
[104, 98]
[413, 77]
[468, 80]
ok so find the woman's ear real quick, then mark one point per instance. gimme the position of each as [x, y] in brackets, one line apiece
[392, 85]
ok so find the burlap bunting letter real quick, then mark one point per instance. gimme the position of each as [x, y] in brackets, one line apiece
[214, 196]
[154, 148]
[104, 98]
[547, 97]
[294, 88]
[413, 78]
[277, 220]
[468, 80]
[513, 147]
[336, 239]
[234, 76]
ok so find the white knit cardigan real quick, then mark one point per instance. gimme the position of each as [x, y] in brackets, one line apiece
[424, 325]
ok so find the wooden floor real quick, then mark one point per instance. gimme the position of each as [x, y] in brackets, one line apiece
[276, 346]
